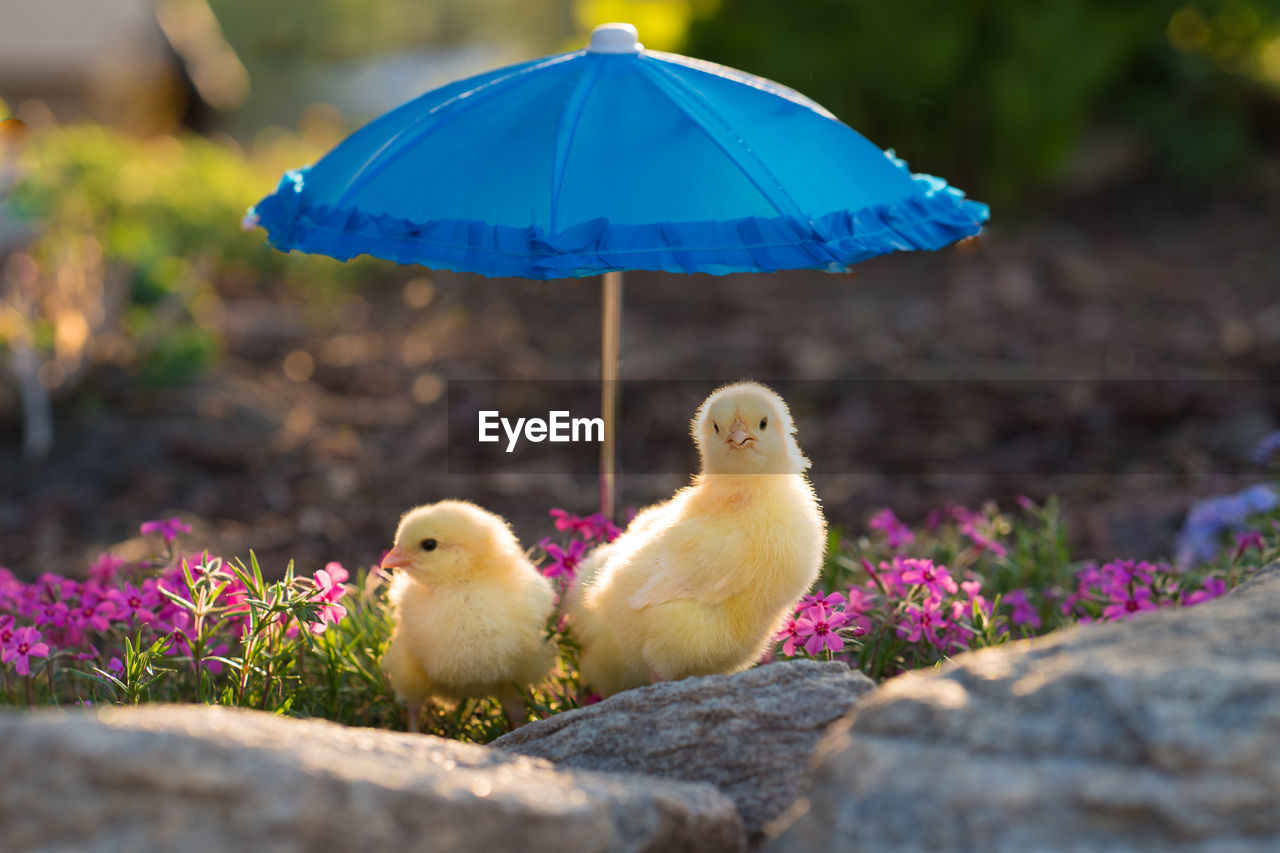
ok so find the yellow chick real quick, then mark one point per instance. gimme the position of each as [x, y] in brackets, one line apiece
[470, 610]
[701, 584]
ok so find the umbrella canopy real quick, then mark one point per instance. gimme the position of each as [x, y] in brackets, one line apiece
[613, 158]
[607, 159]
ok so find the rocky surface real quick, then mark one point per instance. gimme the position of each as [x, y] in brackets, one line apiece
[749, 734]
[1159, 734]
[206, 779]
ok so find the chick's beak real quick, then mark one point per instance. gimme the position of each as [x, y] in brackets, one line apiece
[395, 559]
[739, 437]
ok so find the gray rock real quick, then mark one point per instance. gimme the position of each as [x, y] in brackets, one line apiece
[750, 734]
[1162, 733]
[212, 779]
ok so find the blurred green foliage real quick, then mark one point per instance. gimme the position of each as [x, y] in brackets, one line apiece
[139, 241]
[996, 94]
[326, 30]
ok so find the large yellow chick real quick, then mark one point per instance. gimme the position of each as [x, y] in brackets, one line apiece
[470, 610]
[701, 584]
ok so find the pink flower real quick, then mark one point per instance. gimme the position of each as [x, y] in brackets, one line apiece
[859, 600]
[1125, 604]
[826, 599]
[336, 572]
[1213, 588]
[329, 591]
[563, 563]
[595, 527]
[177, 628]
[818, 627]
[572, 524]
[1023, 612]
[923, 622]
[790, 637]
[602, 528]
[982, 542]
[973, 588]
[924, 573]
[24, 646]
[93, 612]
[956, 634]
[6, 631]
[105, 569]
[137, 604]
[897, 533]
[1245, 541]
[1120, 574]
[890, 575]
[169, 528]
[51, 615]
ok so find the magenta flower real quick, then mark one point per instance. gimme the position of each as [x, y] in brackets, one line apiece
[329, 591]
[1023, 612]
[177, 627]
[956, 633]
[563, 563]
[982, 542]
[337, 573]
[859, 600]
[1213, 588]
[93, 612]
[572, 524]
[6, 631]
[136, 604]
[1120, 574]
[53, 615]
[105, 569]
[1126, 603]
[829, 600]
[169, 528]
[24, 646]
[897, 533]
[790, 637]
[889, 577]
[1247, 540]
[602, 529]
[923, 622]
[818, 628]
[924, 573]
[973, 589]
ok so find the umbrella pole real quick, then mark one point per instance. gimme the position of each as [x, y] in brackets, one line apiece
[610, 350]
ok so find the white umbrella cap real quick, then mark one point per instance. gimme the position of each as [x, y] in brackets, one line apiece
[615, 38]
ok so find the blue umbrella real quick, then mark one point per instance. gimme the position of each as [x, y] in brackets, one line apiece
[607, 159]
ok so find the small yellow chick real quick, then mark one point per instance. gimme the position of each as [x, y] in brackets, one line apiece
[470, 610]
[700, 584]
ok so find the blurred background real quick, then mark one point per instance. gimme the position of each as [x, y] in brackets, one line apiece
[155, 359]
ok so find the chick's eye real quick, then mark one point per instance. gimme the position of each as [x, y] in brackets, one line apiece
[429, 544]
[764, 423]
[717, 427]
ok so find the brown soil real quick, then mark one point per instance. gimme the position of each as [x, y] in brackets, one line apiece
[1135, 286]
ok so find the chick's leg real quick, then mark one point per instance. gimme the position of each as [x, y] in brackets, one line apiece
[411, 714]
[513, 706]
[407, 679]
